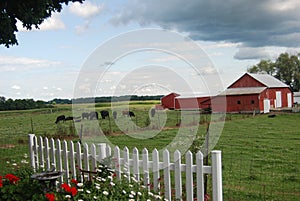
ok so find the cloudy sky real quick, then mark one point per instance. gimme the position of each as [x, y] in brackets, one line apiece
[233, 34]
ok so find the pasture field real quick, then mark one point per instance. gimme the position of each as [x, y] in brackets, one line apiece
[260, 155]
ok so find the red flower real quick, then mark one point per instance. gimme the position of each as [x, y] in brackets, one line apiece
[74, 181]
[1, 181]
[50, 196]
[69, 189]
[73, 191]
[12, 178]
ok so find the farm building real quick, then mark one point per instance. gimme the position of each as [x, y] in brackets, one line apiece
[251, 92]
[256, 92]
[297, 97]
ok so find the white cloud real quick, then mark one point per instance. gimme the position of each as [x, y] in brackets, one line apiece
[86, 9]
[17, 87]
[251, 53]
[12, 63]
[52, 23]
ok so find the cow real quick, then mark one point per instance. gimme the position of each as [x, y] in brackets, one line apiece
[115, 115]
[152, 112]
[93, 115]
[85, 115]
[60, 118]
[128, 113]
[69, 118]
[104, 114]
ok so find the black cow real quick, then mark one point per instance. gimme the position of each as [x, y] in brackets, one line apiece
[93, 115]
[85, 115]
[115, 115]
[69, 118]
[104, 114]
[60, 118]
[131, 114]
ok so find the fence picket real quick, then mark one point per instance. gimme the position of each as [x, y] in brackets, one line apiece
[117, 162]
[52, 153]
[178, 180]
[189, 176]
[167, 177]
[155, 158]
[41, 152]
[145, 159]
[72, 160]
[136, 167]
[200, 176]
[59, 158]
[86, 157]
[46, 150]
[126, 168]
[65, 160]
[93, 157]
[79, 158]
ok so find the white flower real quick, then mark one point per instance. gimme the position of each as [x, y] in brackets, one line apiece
[139, 193]
[80, 190]
[150, 193]
[25, 155]
[148, 200]
[112, 183]
[131, 196]
[131, 200]
[105, 193]
[80, 200]
[14, 164]
[88, 191]
[98, 187]
[103, 179]
[95, 197]
[80, 184]
[68, 196]
[132, 192]
[130, 185]
[124, 192]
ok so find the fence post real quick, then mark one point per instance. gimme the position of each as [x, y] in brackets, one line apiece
[217, 175]
[31, 151]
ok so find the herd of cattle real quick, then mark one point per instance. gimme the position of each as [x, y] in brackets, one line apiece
[93, 115]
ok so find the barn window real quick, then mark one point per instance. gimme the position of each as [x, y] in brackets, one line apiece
[239, 102]
[252, 101]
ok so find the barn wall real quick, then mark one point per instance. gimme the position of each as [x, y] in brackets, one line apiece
[243, 103]
[192, 103]
[271, 94]
[246, 81]
[168, 100]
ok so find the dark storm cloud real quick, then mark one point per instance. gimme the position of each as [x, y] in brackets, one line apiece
[253, 23]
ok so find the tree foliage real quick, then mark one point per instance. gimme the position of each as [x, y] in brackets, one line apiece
[22, 104]
[286, 68]
[31, 13]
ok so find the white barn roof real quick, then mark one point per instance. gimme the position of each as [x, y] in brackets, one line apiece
[268, 80]
[243, 91]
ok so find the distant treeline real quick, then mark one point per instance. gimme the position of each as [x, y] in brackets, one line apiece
[22, 104]
[106, 99]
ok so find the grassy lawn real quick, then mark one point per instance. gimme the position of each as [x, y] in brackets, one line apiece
[260, 155]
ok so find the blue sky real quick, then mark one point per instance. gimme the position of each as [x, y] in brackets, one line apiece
[235, 35]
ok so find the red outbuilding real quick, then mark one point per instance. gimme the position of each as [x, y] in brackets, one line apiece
[256, 92]
[168, 101]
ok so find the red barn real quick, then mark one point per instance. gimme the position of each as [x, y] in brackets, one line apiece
[256, 92]
[168, 101]
[192, 102]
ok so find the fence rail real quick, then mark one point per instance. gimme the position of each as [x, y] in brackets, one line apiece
[69, 157]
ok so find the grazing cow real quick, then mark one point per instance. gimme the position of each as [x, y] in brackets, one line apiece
[60, 118]
[131, 114]
[93, 115]
[152, 112]
[69, 118]
[128, 113]
[104, 114]
[85, 115]
[115, 115]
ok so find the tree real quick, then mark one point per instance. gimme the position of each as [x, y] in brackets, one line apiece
[266, 66]
[31, 13]
[285, 68]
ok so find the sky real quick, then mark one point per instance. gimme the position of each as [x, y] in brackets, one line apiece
[102, 48]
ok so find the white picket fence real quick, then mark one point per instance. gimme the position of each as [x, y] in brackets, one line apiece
[69, 157]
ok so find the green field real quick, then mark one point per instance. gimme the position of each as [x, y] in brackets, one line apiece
[260, 155]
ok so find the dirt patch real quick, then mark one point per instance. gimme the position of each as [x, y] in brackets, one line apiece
[5, 146]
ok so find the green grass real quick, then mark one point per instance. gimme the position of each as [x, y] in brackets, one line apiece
[260, 155]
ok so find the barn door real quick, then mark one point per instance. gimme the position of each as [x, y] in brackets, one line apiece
[289, 99]
[278, 99]
[266, 105]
